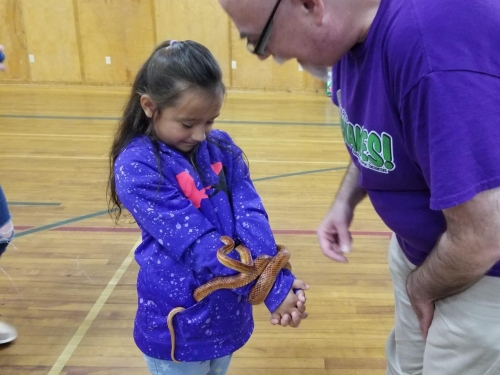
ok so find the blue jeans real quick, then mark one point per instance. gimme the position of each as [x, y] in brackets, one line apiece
[217, 366]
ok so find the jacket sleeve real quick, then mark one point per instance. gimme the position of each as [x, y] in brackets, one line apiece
[162, 211]
[252, 225]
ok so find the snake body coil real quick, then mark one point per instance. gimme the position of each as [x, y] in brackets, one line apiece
[265, 269]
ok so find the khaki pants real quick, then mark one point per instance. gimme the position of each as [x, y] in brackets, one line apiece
[464, 338]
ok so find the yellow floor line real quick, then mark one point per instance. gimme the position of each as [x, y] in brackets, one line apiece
[89, 319]
[24, 156]
[50, 135]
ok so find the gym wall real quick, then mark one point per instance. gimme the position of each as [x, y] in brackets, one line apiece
[103, 42]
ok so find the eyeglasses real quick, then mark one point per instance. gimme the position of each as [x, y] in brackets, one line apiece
[259, 48]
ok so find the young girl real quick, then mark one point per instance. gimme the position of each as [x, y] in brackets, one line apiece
[187, 185]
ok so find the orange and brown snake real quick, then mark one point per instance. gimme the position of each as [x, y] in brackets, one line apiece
[265, 269]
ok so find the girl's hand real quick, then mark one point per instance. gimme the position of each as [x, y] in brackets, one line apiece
[293, 309]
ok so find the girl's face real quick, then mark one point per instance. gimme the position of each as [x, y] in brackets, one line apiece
[189, 121]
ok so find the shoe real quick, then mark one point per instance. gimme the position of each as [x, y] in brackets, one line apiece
[7, 333]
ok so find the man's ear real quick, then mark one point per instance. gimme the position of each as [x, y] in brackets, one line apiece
[315, 8]
[148, 105]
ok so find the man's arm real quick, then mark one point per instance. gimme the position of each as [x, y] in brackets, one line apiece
[350, 192]
[333, 233]
[466, 251]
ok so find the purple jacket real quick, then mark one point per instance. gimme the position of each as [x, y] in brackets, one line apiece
[182, 214]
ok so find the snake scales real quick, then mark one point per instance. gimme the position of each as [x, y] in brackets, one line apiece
[265, 269]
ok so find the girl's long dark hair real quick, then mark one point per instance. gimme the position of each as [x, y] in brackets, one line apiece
[171, 69]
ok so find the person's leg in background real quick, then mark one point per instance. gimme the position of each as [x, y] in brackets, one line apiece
[7, 332]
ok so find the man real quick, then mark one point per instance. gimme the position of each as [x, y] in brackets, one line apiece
[417, 83]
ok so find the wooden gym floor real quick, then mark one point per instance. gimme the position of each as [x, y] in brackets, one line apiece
[69, 285]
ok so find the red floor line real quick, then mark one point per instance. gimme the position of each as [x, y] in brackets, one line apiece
[137, 230]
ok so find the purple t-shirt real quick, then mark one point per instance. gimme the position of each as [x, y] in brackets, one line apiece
[420, 112]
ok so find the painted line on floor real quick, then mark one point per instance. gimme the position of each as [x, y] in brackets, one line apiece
[313, 232]
[59, 223]
[95, 214]
[231, 122]
[94, 311]
[138, 230]
[298, 174]
[33, 204]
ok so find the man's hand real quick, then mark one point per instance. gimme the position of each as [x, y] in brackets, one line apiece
[333, 233]
[465, 252]
[422, 308]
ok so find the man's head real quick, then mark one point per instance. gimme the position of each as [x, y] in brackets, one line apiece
[315, 32]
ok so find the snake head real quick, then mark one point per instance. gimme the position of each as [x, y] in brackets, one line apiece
[227, 240]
